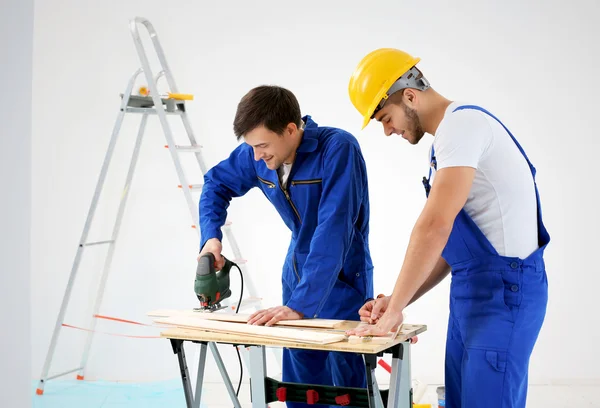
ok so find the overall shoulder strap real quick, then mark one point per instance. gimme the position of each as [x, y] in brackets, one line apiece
[543, 236]
[479, 108]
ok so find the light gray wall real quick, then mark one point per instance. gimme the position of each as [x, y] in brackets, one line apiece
[533, 64]
[16, 49]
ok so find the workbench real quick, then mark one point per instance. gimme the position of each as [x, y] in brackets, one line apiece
[265, 390]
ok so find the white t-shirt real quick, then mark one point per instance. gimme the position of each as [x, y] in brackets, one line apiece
[284, 171]
[502, 200]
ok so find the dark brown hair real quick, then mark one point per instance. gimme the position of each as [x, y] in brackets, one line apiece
[267, 105]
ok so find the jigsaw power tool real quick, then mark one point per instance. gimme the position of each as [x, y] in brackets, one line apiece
[211, 287]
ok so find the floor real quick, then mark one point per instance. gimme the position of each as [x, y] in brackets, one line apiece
[75, 394]
[99, 394]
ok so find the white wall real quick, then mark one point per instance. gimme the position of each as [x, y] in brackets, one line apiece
[16, 51]
[534, 65]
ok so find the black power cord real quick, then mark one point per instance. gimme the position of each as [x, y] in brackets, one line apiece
[237, 309]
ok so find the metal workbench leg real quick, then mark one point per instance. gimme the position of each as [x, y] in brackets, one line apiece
[226, 380]
[258, 373]
[185, 377]
[400, 394]
[406, 378]
[200, 376]
[377, 393]
[374, 395]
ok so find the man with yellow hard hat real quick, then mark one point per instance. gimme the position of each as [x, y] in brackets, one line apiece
[482, 222]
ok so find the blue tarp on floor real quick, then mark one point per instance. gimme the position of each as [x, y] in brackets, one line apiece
[103, 394]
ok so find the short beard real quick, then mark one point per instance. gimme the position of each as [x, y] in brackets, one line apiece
[415, 123]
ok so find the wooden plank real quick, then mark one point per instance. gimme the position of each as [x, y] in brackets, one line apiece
[226, 317]
[243, 318]
[406, 332]
[364, 347]
[285, 334]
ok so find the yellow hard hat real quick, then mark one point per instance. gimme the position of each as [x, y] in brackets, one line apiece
[378, 75]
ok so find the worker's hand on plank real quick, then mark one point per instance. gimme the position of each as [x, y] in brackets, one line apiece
[269, 317]
[365, 311]
[389, 321]
[373, 309]
[214, 246]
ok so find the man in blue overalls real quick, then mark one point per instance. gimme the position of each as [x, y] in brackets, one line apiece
[316, 179]
[482, 221]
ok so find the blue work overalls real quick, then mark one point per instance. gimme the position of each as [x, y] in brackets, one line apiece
[328, 272]
[497, 307]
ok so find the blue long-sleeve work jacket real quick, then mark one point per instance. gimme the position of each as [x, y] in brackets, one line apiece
[328, 272]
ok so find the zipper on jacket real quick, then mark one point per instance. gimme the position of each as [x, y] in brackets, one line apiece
[287, 196]
[294, 264]
[314, 181]
[268, 183]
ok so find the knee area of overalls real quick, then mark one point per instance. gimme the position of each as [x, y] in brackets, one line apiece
[493, 378]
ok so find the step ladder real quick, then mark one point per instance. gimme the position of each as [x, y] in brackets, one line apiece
[153, 104]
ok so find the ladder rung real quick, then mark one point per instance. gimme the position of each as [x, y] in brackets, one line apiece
[61, 374]
[196, 148]
[193, 187]
[99, 242]
[146, 105]
[151, 111]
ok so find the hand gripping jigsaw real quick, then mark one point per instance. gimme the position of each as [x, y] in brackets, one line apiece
[211, 287]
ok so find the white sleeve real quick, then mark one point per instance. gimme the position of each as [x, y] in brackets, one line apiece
[462, 140]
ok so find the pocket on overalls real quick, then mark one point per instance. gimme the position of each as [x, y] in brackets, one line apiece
[484, 380]
[513, 294]
[344, 300]
[526, 294]
[351, 284]
[476, 293]
[291, 271]
[479, 309]
[497, 360]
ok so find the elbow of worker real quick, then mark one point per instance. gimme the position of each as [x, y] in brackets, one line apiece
[437, 227]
